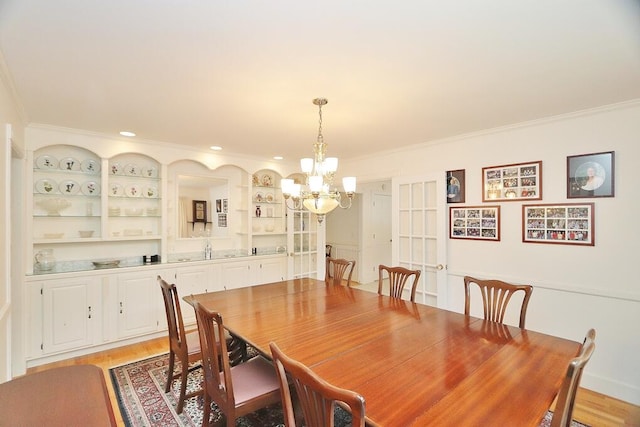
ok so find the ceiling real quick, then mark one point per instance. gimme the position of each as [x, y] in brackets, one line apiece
[243, 74]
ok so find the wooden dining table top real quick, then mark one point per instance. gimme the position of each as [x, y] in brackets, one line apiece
[414, 364]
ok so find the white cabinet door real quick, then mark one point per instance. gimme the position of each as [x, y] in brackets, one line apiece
[267, 270]
[235, 274]
[191, 280]
[139, 304]
[71, 314]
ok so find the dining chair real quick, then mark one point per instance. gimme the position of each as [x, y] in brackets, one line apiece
[398, 277]
[563, 413]
[338, 270]
[185, 346]
[317, 398]
[236, 390]
[496, 295]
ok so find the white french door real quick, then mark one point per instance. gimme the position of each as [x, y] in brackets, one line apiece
[419, 233]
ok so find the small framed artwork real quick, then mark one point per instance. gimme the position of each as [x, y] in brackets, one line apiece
[218, 205]
[518, 181]
[590, 175]
[225, 205]
[565, 223]
[222, 220]
[455, 186]
[200, 211]
[474, 222]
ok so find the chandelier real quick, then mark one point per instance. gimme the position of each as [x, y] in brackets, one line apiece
[318, 194]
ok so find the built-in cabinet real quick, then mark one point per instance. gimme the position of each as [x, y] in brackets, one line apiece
[87, 310]
[95, 223]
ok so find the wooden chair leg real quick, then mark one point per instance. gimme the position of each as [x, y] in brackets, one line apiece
[183, 387]
[206, 410]
[172, 359]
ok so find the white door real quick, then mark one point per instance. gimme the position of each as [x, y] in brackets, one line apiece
[139, 299]
[305, 243]
[419, 232]
[381, 218]
[70, 309]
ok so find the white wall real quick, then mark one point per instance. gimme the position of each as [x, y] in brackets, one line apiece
[11, 126]
[575, 288]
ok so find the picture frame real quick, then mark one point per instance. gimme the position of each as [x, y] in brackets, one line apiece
[222, 220]
[225, 205]
[218, 205]
[200, 211]
[559, 223]
[517, 181]
[591, 175]
[455, 186]
[474, 222]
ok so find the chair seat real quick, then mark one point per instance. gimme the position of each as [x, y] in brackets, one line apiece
[253, 378]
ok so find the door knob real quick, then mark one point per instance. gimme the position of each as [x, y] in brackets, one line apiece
[439, 267]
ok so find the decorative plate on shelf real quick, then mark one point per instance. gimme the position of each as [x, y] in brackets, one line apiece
[69, 187]
[90, 188]
[259, 197]
[133, 191]
[269, 198]
[90, 166]
[116, 190]
[150, 172]
[132, 170]
[46, 186]
[266, 180]
[69, 164]
[47, 162]
[116, 169]
[150, 193]
[255, 179]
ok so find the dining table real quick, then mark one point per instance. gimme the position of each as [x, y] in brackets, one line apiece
[414, 364]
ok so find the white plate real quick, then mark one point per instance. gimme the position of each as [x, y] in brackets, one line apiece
[133, 191]
[116, 190]
[90, 166]
[132, 170]
[47, 162]
[69, 164]
[46, 186]
[150, 172]
[266, 180]
[116, 169]
[150, 192]
[69, 187]
[269, 198]
[259, 197]
[90, 188]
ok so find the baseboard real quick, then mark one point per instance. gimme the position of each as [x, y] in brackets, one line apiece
[618, 390]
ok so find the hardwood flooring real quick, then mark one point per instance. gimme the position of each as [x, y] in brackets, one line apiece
[594, 409]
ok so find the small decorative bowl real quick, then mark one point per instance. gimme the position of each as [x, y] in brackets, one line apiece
[133, 211]
[53, 206]
[85, 233]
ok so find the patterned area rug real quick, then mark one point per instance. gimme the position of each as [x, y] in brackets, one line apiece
[139, 387]
[143, 402]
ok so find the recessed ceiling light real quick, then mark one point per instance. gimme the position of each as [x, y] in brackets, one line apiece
[278, 157]
[216, 148]
[127, 133]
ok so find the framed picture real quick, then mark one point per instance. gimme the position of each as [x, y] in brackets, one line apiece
[475, 222]
[222, 220]
[519, 181]
[218, 205]
[225, 205]
[455, 186]
[590, 175]
[200, 211]
[565, 223]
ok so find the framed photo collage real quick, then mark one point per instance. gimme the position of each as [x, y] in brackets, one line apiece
[588, 175]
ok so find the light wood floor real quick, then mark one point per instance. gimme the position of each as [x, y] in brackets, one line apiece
[594, 409]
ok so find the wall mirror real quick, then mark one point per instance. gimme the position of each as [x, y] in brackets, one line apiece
[198, 197]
